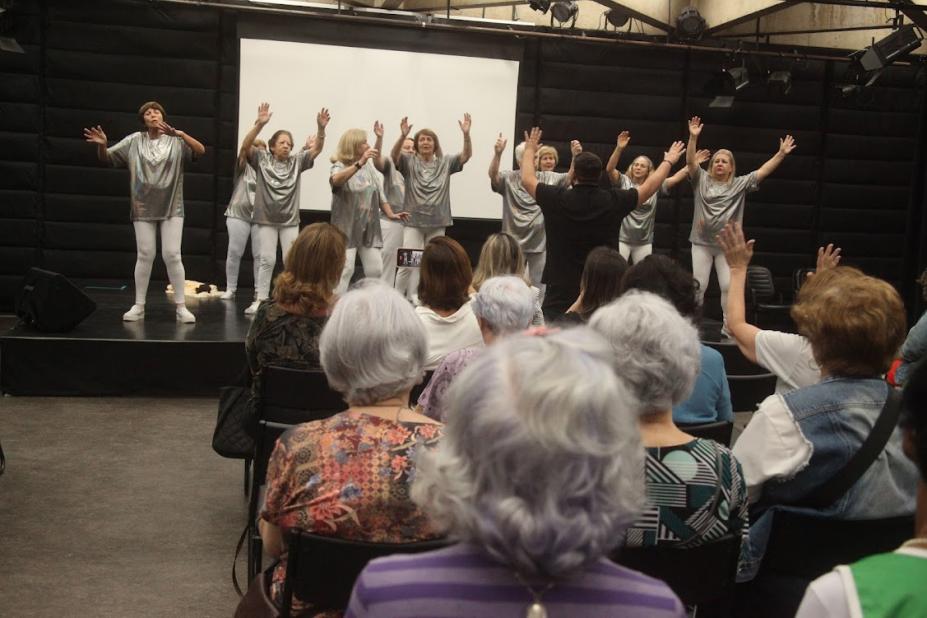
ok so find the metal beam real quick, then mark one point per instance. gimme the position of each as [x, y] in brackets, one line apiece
[865, 4]
[641, 17]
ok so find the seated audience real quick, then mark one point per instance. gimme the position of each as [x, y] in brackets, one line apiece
[600, 284]
[539, 473]
[504, 305]
[501, 255]
[796, 442]
[915, 344]
[349, 475]
[710, 400]
[443, 290]
[889, 584]
[285, 331]
[695, 488]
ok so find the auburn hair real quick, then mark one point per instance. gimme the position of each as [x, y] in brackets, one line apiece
[149, 105]
[445, 275]
[313, 269]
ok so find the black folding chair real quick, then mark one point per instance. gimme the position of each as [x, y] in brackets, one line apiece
[719, 431]
[419, 388]
[764, 298]
[747, 392]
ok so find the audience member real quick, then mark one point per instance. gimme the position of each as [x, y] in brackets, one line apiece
[502, 255]
[915, 344]
[600, 283]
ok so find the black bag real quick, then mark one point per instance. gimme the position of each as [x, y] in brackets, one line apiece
[235, 424]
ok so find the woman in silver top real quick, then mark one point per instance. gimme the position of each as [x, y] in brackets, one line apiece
[357, 198]
[395, 187]
[276, 192]
[719, 196]
[238, 217]
[155, 158]
[428, 191]
[635, 239]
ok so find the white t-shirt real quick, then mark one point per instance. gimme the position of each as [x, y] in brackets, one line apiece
[448, 334]
[789, 357]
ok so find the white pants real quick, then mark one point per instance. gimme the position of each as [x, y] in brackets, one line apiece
[702, 258]
[634, 253]
[414, 238]
[239, 232]
[146, 244]
[536, 262]
[370, 258]
[392, 240]
[267, 236]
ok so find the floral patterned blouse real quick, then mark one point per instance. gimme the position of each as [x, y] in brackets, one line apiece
[282, 339]
[348, 476]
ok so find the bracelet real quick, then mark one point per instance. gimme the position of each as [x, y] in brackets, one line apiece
[667, 161]
[358, 165]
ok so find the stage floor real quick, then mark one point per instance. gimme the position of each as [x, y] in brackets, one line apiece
[155, 356]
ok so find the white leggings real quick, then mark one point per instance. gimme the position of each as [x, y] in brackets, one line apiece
[267, 236]
[634, 253]
[414, 238]
[239, 232]
[702, 258]
[146, 243]
[370, 258]
[536, 262]
[392, 240]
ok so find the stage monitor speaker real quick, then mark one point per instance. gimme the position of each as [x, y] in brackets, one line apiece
[50, 302]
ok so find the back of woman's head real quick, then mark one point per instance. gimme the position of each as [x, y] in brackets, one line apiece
[657, 352]
[662, 276]
[505, 304]
[445, 275]
[541, 463]
[373, 346]
[855, 323]
[601, 280]
[313, 268]
[500, 255]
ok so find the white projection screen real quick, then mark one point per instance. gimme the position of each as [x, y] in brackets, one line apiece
[361, 85]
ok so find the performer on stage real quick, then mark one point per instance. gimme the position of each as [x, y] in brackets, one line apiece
[428, 191]
[719, 196]
[238, 222]
[521, 216]
[155, 158]
[395, 187]
[276, 194]
[357, 198]
[635, 239]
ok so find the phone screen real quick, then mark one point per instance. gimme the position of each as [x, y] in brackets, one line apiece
[409, 257]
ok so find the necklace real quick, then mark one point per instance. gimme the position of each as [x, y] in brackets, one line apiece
[536, 609]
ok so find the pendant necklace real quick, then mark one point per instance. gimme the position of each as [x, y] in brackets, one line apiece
[536, 609]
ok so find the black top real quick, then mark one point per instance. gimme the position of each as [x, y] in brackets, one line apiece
[578, 220]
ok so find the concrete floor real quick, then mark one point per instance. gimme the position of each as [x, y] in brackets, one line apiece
[116, 507]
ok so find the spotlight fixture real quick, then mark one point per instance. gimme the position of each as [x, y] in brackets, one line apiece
[739, 77]
[899, 43]
[542, 6]
[780, 81]
[564, 11]
[722, 101]
[690, 24]
[8, 42]
[617, 17]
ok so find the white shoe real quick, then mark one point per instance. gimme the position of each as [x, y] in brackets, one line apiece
[136, 313]
[184, 316]
[227, 295]
[252, 308]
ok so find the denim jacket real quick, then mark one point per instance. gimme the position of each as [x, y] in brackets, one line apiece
[913, 350]
[836, 416]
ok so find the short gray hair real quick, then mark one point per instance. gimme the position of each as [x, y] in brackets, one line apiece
[519, 153]
[373, 346]
[541, 463]
[505, 303]
[657, 352]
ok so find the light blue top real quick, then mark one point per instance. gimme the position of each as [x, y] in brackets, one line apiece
[711, 398]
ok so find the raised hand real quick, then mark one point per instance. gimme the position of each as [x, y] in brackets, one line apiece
[95, 135]
[702, 155]
[377, 128]
[167, 129]
[311, 141]
[695, 126]
[624, 138]
[787, 145]
[576, 147]
[500, 144]
[264, 114]
[737, 251]
[675, 151]
[828, 257]
[322, 118]
[533, 138]
[404, 126]
[370, 153]
[465, 124]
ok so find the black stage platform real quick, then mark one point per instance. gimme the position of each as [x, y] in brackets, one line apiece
[154, 356]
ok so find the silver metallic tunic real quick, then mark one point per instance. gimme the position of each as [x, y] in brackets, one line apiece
[155, 174]
[428, 189]
[716, 203]
[241, 205]
[394, 185]
[276, 194]
[355, 205]
[521, 216]
[637, 227]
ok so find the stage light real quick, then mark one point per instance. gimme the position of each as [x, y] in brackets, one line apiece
[723, 102]
[8, 42]
[542, 6]
[738, 76]
[616, 17]
[690, 24]
[780, 81]
[564, 11]
[899, 43]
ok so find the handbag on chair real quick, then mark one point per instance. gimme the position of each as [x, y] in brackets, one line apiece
[233, 436]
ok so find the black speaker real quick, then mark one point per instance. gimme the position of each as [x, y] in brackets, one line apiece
[49, 302]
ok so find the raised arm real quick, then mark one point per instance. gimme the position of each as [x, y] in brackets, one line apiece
[738, 254]
[263, 117]
[529, 177]
[321, 120]
[786, 146]
[498, 149]
[378, 146]
[404, 128]
[576, 147]
[659, 173]
[624, 138]
[695, 129]
[467, 151]
[95, 135]
[197, 148]
[700, 157]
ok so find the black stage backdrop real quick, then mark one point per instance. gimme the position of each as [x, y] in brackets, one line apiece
[857, 178]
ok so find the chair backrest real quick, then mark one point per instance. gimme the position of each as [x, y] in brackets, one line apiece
[696, 574]
[760, 280]
[735, 363]
[321, 569]
[748, 391]
[419, 388]
[719, 431]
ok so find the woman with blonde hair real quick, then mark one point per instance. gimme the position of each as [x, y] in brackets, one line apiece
[501, 255]
[358, 196]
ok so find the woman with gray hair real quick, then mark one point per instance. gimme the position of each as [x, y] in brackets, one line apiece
[537, 476]
[504, 305]
[349, 475]
[695, 487]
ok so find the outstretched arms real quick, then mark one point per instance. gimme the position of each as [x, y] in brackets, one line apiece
[321, 120]
[467, 151]
[786, 146]
[529, 178]
[498, 149]
[95, 135]
[404, 129]
[197, 148]
[378, 146]
[624, 138]
[700, 157]
[738, 253]
[659, 173]
[695, 129]
[263, 117]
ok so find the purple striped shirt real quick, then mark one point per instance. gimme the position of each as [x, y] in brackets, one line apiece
[462, 581]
